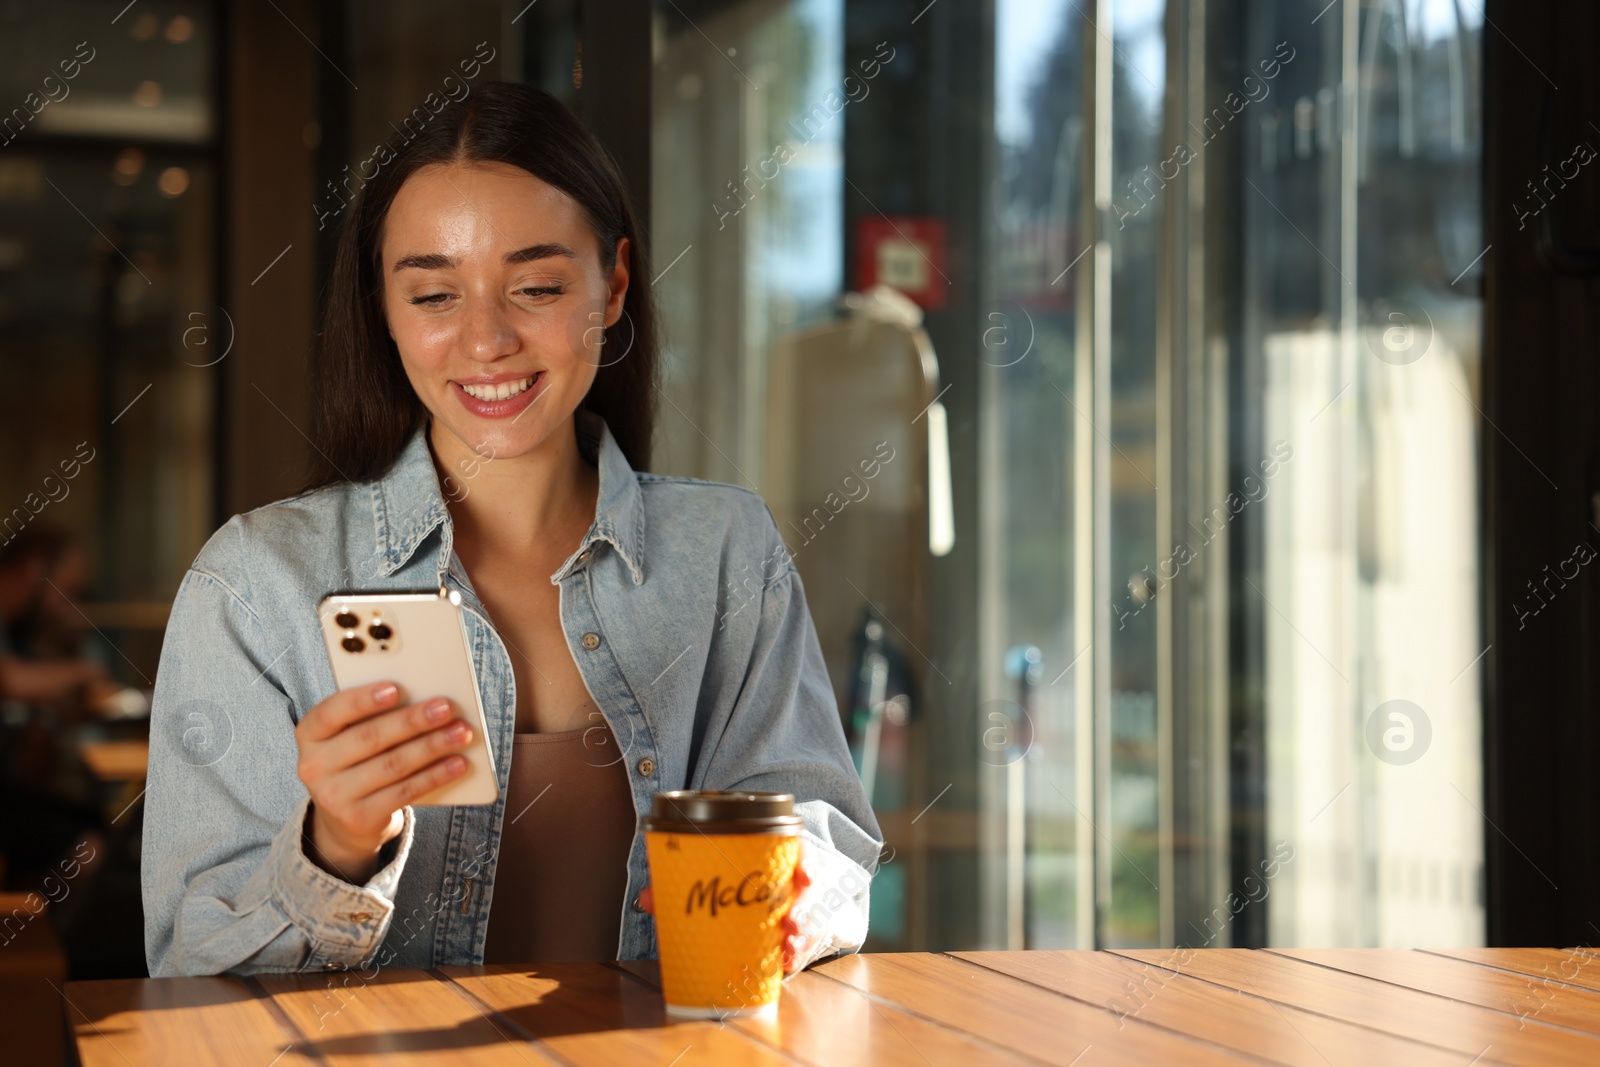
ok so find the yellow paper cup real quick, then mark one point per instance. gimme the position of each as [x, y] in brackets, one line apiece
[722, 869]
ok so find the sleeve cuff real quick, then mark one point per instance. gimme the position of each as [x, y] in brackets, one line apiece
[832, 911]
[346, 923]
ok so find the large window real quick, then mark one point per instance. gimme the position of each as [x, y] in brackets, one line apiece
[1199, 286]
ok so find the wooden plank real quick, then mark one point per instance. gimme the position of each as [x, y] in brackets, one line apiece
[1425, 1017]
[1165, 996]
[814, 1010]
[1471, 983]
[199, 1021]
[586, 1013]
[1546, 966]
[1014, 1014]
[395, 1017]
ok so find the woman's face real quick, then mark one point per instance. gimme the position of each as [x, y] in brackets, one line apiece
[495, 296]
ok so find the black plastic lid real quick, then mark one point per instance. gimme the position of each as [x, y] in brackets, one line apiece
[724, 812]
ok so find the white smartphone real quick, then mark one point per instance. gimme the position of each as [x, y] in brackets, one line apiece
[419, 642]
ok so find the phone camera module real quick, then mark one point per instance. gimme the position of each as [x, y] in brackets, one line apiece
[347, 620]
[380, 632]
[353, 644]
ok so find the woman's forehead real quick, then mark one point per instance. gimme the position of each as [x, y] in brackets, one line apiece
[479, 209]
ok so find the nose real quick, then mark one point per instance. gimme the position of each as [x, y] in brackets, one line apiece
[488, 332]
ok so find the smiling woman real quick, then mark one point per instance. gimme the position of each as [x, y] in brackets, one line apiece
[507, 163]
[476, 298]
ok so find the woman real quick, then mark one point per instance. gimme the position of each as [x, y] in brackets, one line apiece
[484, 412]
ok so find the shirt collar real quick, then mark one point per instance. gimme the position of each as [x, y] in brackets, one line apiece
[407, 504]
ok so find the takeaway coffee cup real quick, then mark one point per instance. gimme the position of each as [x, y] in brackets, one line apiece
[722, 869]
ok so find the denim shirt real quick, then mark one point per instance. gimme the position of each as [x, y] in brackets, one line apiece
[707, 669]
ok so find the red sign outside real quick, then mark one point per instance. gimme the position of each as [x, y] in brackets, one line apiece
[905, 252]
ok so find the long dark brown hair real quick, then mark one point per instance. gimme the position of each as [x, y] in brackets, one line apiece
[363, 407]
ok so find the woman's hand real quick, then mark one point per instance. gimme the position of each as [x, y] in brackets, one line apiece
[363, 763]
[794, 942]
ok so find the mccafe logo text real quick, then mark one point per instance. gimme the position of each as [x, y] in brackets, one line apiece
[751, 890]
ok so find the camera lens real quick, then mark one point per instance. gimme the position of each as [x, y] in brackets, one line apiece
[347, 620]
[380, 632]
[353, 644]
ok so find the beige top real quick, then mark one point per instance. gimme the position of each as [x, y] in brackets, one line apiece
[562, 875]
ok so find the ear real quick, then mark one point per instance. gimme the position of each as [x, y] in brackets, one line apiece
[617, 283]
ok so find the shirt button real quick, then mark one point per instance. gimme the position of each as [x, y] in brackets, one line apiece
[333, 966]
[583, 557]
[638, 905]
[591, 641]
[647, 767]
[360, 916]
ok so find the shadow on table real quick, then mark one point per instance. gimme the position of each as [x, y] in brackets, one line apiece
[506, 1002]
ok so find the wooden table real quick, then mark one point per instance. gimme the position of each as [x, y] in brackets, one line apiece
[1368, 1007]
[117, 761]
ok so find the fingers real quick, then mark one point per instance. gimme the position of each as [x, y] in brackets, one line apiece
[424, 781]
[345, 707]
[378, 733]
[392, 767]
[647, 899]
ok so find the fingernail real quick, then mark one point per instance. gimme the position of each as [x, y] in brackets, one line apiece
[459, 733]
[437, 710]
[455, 765]
[385, 692]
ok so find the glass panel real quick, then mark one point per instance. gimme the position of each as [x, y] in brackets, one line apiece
[1362, 341]
[825, 410]
[1137, 84]
[1028, 349]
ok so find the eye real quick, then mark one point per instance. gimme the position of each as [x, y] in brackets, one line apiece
[432, 298]
[542, 290]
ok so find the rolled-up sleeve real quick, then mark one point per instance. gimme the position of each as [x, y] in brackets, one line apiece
[226, 882]
[784, 735]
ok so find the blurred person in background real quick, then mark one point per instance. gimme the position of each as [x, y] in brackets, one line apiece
[45, 687]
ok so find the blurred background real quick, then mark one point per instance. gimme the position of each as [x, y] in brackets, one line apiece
[1181, 412]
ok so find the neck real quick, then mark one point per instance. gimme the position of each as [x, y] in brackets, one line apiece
[542, 500]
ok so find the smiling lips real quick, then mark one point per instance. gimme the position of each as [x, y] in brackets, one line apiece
[499, 391]
[495, 400]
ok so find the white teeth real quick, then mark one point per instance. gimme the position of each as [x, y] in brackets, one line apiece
[502, 391]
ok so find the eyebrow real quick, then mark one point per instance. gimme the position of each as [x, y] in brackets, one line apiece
[437, 261]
